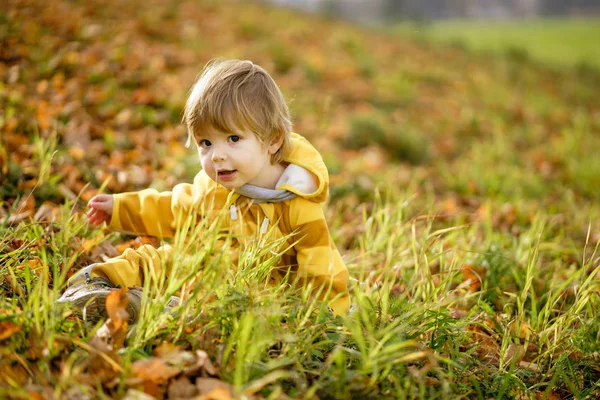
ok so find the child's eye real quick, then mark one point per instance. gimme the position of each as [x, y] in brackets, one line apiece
[205, 143]
[234, 138]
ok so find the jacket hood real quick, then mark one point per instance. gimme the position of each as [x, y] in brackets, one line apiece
[311, 180]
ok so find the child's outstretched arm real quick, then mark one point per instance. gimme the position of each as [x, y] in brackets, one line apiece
[100, 209]
[153, 213]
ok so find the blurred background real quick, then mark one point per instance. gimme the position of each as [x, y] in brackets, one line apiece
[390, 10]
[466, 107]
[555, 31]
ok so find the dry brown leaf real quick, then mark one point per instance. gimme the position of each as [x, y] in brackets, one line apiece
[14, 285]
[89, 244]
[33, 265]
[137, 242]
[12, 372]
[220, 393]
[77, 136]
[474, 274]
[520, 330]
[77, 153]
[7, 329]
[18, 218]
[552, 395]
[514, 352]
[207, 386]
[487, 349]
[103, 363]
[67, 193]
[116, 307]
[133, 394]
[533, 367]
[45, 213]
[182, 388]
[153, 370]
[103, 251]
[27, 204]
[167, 351]
[202, 365]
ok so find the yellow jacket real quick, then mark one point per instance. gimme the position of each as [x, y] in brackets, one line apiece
[311, 254]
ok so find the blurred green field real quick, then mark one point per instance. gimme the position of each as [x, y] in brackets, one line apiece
[564, 42]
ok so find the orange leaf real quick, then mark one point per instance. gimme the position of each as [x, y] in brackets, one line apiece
[27, 204]
[7, 329]
[89, 244]
[116, 307]
[213, 389]
[520, 330]
[220, 393]
[474, 274]
[76, 152]
[154, 370]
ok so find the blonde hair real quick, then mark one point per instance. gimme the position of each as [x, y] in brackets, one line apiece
[233, 95]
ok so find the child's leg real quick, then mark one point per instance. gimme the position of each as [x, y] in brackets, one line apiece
[89, 288]
[131, 267]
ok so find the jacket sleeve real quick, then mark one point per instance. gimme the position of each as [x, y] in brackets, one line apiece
[153, 213]
[319, 261]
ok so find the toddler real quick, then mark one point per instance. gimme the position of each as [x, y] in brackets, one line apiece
[268, 178]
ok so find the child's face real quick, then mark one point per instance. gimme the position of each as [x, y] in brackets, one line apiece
[236, 159]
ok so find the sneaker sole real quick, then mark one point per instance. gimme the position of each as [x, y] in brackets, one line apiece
[92, 307]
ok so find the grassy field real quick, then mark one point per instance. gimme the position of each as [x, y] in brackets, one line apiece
[571, 42]
[464, 200]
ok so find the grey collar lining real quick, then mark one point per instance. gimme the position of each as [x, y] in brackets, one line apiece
[262, 195]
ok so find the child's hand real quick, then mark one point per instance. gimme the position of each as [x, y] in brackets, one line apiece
[101, 207]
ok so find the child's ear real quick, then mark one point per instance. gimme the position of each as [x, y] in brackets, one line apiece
[275, 144]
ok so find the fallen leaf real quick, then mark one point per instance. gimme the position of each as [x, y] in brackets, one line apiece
[520, 330]
[167, 351]
[116, 307]
[137, 242]
[103, 251]
[203, 364]
[67, 193]
[7, 329]
[514, 353]
[133, 394]
[90, 244]
[533, 367]
[103, 363]
[214, 389]
[18, 218]
[45, 213]
[13, 245]
[14, 285]
[182, 388]
[486, 348]
[77, 153]
[220, 393]
[154, 370]
[10, 371]
[27, 204]
[552, 395]
[474, 275]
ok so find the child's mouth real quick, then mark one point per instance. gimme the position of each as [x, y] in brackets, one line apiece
[226, 175]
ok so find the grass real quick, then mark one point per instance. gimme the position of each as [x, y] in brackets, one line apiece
[464, 199]
[403, 339]
[564, 42]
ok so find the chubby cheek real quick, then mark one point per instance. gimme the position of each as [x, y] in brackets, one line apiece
[207, 166]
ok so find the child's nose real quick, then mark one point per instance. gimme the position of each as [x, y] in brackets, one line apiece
[218, 154]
